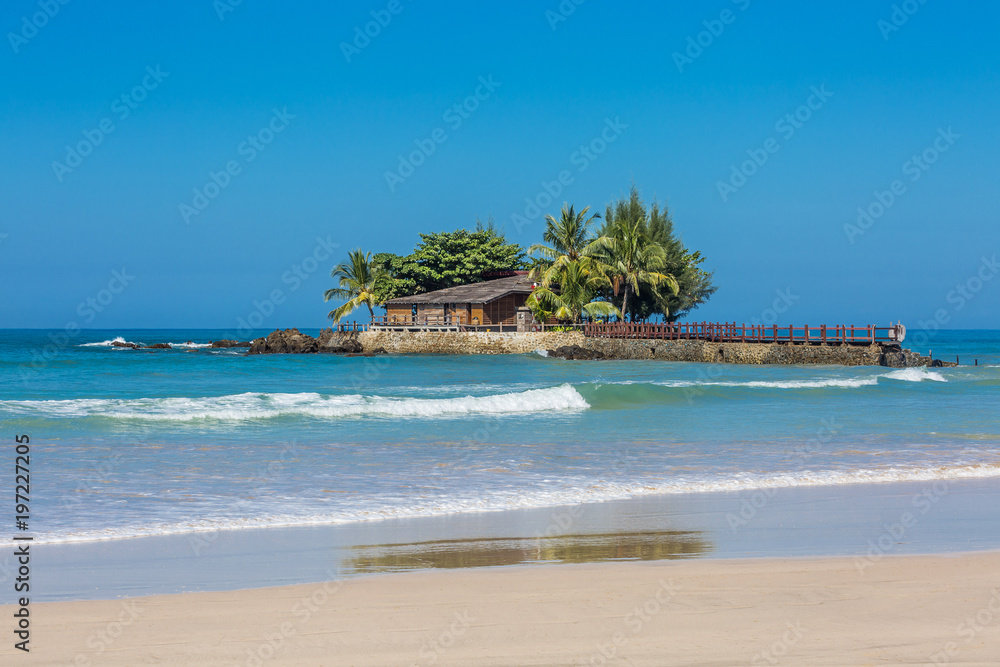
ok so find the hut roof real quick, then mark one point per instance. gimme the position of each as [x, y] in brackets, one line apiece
[484, 292]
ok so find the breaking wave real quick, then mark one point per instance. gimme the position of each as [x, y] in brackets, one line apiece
[248, 406]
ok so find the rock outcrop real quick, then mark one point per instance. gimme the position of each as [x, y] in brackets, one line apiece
[159, 346]
[131, 346]
[894, 356]
[289, 341]
[226, 343]
[340, 342]
[575, 352]
[292, 341]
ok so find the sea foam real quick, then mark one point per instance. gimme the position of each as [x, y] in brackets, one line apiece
[248, 406]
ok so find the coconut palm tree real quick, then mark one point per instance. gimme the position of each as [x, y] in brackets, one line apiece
[356, 284]
[569, 235]
[633, 259]
[579, 281]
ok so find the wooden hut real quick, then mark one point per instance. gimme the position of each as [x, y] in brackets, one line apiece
[491, 302]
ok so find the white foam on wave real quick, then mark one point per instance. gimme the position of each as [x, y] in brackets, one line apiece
[553, 494]
[192, 346]
[542, 353]
[779, 384]
[247, 406]
[106, 343]
[917, 374]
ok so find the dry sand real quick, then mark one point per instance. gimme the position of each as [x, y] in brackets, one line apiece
[898, 610]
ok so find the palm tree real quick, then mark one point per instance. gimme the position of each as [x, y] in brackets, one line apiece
[634, 259]
[356, 284]
[579, 282]
[570, 235]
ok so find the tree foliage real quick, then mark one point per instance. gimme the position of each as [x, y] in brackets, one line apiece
[654, 224]
[579, 282]
[447, 259]
[356, 281]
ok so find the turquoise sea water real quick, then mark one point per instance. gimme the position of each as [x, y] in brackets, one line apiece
[129, 443]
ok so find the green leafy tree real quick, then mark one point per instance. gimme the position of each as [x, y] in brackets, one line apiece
[388, 285]
[355, 284]
[447, 259]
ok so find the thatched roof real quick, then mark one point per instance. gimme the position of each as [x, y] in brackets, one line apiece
[483, 292]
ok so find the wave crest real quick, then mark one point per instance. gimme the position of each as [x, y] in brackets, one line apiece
[239, 407]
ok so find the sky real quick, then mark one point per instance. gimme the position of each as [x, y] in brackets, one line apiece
[206, 163]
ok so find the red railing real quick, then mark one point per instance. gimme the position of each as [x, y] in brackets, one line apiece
[730, 332]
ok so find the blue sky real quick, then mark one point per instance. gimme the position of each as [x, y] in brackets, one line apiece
[674, 96]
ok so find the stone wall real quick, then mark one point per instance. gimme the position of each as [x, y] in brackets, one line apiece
[454, 342]
[736, 353]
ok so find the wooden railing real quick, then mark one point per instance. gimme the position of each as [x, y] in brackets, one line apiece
[353, 326]
[460, 323]
[742, 333]
[422, 321]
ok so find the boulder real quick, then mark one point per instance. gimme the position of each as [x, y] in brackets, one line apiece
[230, 343]
[159, 346]
[131, 346]
[339, 342]
[574, 352]
[289, 341]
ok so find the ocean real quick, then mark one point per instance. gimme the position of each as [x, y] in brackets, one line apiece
[132, 443]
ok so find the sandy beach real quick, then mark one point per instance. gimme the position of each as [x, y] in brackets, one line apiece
[827, 611]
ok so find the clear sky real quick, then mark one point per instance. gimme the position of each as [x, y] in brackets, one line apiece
[212, 152]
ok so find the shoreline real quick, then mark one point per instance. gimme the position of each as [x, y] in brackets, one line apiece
[870, 521]
[818, 611]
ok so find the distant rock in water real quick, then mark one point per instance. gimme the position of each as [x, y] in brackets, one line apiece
[131, 346]
[230, 343]
[574, 352]
[159, 346]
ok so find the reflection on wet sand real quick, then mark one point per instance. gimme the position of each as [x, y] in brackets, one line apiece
[483, 552]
